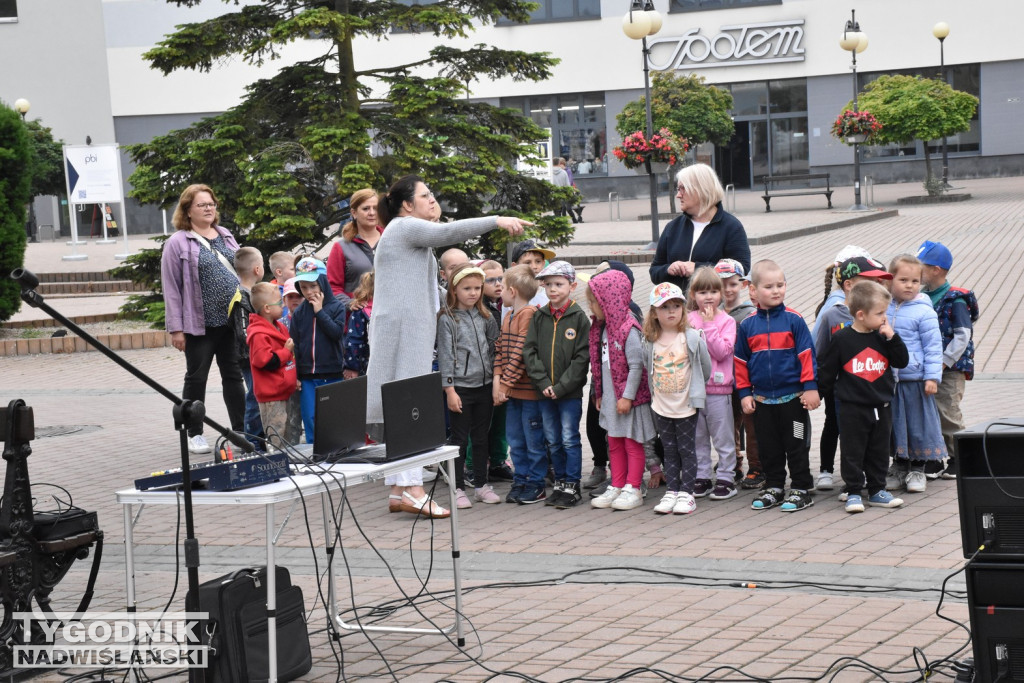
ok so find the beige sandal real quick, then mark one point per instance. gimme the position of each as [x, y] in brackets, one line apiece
[395, 503]
[424, 506]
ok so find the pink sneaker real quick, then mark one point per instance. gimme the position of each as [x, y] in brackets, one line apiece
[462, 500]
[486, 494]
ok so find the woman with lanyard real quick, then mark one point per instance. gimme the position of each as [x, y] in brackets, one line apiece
[352, 255]
[405, 307]
[200, 287]
[705, 233]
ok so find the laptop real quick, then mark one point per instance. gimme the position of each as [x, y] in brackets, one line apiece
[339, 425]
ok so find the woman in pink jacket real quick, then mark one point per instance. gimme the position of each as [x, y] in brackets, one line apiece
[714, 422]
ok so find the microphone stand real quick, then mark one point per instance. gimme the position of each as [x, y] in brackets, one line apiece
[187, 414]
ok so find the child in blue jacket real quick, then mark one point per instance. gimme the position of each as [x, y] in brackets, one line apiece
[776, 381]
[318, 328]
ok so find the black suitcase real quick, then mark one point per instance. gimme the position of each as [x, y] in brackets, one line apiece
[236, 630]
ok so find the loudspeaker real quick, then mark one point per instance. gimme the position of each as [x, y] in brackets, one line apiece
[990, 484]
[995, 599]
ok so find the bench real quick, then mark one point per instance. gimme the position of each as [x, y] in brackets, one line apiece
[772, 189]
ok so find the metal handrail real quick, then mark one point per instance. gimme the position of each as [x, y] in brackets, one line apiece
[730, 198]
[869, 190]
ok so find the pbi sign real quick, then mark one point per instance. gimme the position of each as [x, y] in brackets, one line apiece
[93, 174]
[767, 42]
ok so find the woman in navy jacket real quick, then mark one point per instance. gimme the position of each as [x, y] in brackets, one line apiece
[703, 235]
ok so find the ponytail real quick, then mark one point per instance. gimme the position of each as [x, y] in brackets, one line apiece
[390, 203]
[829, 272]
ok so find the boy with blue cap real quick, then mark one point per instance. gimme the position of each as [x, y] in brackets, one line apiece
[957, 310]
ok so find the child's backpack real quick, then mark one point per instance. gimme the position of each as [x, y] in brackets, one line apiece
[944, 309]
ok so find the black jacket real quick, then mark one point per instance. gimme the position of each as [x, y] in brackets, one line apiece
[724, 237]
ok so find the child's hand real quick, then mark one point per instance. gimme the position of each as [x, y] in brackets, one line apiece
[290, 344]
[498, 395]
[623, 406]
[597, 403]
[810, 400]
[454, 402]
[931, 387]
[356, 305]
[348, 373]
[886, 329]
[747, 405]
[708, 313]
[550, 393]
[657, 480]
[318, 301]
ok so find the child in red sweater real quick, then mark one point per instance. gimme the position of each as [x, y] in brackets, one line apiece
[271, 352]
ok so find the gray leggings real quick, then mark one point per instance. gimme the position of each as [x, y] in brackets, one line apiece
[678, 436]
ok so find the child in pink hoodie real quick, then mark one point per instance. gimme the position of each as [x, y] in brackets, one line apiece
[714, 422]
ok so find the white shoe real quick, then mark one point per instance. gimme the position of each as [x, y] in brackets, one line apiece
[667, 503]
[429, 475]
[605, 499]
[685, 504]
[197, 444]
[917, 482]
[628, 499]
[824, 482]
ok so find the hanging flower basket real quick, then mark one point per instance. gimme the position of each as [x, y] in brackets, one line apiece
[856, 127]
[664, 147]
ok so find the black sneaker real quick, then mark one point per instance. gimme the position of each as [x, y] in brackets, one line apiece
[515, 493]
[556, 494]
[532, 494]
[798, 499]
[570, 496]
[933, 469]
[768, 498]
[753, 480]
[500, 472]
[950, 471]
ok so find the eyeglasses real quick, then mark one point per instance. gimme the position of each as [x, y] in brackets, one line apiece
[680, 189]
[206, 205]
[493, 281]
[426, 195]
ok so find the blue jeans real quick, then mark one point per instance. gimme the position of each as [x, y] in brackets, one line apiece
[308, 402]
[524, 431]
[561, 418]
[253, 423]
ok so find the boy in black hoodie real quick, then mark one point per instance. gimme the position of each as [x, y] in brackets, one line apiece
[857, 366]
[318, 328]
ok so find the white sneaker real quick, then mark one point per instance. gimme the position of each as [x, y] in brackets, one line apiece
[685, 504]
[197, 444]
[917, 482]
[605, 499]
[628, 499]
[667, 503]
[824, 482]
[429, 475]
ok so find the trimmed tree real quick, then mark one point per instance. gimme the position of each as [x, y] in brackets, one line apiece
[685, 105]
[307, 136]
[915, 108]
[15, 192]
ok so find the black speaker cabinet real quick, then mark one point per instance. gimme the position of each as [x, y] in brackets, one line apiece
[995, 599]
[990, 485]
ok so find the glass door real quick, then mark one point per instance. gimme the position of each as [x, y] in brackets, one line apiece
[759, 161]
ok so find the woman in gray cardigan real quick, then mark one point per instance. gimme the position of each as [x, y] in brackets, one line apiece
[405, 306]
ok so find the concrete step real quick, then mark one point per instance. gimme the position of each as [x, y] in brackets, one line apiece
[72, 344]
[88, 287]
[50, 322]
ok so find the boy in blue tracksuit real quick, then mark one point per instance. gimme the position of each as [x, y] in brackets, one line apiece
[318, 328]
[776, 381]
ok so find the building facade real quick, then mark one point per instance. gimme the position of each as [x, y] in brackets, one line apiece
[84, 71]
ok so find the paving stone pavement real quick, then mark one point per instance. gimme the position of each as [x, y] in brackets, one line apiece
[624, 612]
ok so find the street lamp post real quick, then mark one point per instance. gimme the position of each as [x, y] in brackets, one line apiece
[641, 21]
[22, 106]
[940, 31]
[854, 41]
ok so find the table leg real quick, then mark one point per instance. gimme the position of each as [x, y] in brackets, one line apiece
[456, 559]
[271, 599]
[129, 570]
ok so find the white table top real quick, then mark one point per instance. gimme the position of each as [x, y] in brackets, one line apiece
[302, 483]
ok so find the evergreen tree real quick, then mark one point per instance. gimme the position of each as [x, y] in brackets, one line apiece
[15, 184]
[307, 136]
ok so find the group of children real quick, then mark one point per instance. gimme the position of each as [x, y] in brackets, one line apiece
[702, 370]
[705, 367]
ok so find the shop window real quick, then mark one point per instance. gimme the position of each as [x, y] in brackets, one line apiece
[561, 10]
[577, 124]
[8, 11]
[700, 5]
